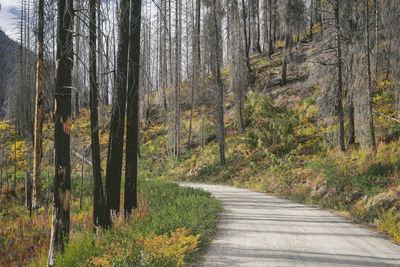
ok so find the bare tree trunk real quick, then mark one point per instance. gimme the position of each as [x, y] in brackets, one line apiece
[370, 100]
[376, 11]
[107, 77]
[1, 168]
[37, 155]
[311, 9]
[15, 158]
[98, 194]
[81, 185]
[270, 49]
[62, 131]
[245, 32]
[285, 59]
[190, 118]
[178, 33]
[239, 72]
[195, 20]
[132, 140]
[352, 139]
[7, 182]
[339, 96]
[48, 175]
[28, 193]
[170, 76]
[77, 58]
[116, 141]
[219, 109]
[258, 27]
[165, 61]
[254, 32]
[351, 125]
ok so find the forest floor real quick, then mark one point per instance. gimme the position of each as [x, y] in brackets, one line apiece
[257, 229]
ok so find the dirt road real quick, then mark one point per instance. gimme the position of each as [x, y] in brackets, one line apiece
[256, 229]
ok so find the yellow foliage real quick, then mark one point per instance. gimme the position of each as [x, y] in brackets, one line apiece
[5, 126]
[100, 261]
[280, 44]
[18, 152]
[389, 222]
[174, 247]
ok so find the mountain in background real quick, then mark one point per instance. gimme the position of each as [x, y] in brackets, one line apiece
[9, 51]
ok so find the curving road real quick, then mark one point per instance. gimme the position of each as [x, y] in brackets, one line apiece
[256, 229]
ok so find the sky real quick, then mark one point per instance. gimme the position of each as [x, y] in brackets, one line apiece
[9, 17]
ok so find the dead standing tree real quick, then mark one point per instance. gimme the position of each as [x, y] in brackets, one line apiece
[132, 139]
[328, 59]
[37, 155]
[212, 33]
[98, 194]
[116, 140]
[62, 131]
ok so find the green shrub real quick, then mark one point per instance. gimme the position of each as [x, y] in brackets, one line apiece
[269, 126]
[78, 252]
[309, 101]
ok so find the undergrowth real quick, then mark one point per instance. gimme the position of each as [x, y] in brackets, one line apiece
[171, 227]
[283, 153]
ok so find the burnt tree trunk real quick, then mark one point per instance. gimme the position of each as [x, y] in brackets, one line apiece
[352, 138]
[62, 131]
[98, 194]
[28, 192]
[116, 140]
[132, 136]
[270, 43]
[37, 154]
[285, 59]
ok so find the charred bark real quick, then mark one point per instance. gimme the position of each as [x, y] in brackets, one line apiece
[37, 155]
[132, 136]
[62, 131]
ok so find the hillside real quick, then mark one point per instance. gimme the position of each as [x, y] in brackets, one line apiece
[284, 150]
[8, 51]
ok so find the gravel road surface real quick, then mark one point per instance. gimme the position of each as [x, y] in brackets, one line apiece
[257, 229]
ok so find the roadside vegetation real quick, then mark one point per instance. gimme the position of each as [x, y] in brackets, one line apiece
[170, 227]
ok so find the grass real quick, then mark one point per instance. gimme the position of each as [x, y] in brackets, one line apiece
[171, 226]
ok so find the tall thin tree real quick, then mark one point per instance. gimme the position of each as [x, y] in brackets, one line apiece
[339, 92]
[62, 131]
[37, 155]
[132, 135]
[116, 140]
[98, 194]
[370, 97]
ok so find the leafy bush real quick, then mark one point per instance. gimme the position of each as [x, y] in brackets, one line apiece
[79, 252]
[309, 101]
[269, 126]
